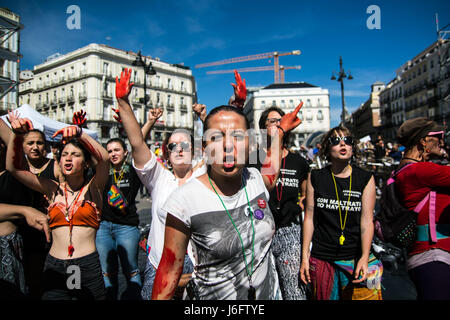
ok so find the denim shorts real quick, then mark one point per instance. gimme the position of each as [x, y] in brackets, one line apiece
[73, 279]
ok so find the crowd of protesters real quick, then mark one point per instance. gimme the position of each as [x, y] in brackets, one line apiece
[246, 220]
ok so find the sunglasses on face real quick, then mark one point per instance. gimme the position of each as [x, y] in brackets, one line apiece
[273, 120]
[348, 140]
[184, 145]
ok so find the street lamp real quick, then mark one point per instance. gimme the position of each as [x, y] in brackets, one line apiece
[148, 69]
[341, 76]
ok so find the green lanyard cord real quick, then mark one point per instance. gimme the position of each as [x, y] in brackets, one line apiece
[249, 273]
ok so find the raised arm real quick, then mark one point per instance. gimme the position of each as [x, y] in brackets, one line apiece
[171, 265]
[240, 91]
[15, 160]
[140, 151]
[272, 163]
[152, 116]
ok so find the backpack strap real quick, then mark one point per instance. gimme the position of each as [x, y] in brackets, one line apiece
[396, 172]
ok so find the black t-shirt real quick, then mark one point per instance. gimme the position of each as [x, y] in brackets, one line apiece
[12, 191]
[284, 196]
[327, 228]
[126, 187]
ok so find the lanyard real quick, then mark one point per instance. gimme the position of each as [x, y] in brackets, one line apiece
[342, 238]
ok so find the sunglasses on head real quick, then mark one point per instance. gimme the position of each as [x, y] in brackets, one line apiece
[184, 146]
[437, 134]
[348, 140]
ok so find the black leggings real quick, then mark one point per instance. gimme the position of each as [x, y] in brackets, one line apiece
[73, 279]
[432, 281]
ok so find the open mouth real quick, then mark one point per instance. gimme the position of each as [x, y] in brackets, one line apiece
[68, 166]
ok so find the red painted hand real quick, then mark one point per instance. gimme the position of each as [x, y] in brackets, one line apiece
[117, 115]
[79, 118]
[68, 133]
[20, 125]
[123, 85]
[290, 120]
[240, 90]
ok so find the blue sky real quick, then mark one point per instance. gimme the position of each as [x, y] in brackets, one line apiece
[200, 31]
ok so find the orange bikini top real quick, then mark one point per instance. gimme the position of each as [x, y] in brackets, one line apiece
[83, 213]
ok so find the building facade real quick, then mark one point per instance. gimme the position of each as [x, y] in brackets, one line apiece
[85, 79]
[9, 56]
[366, 120]
[315, 113]
[420, 89]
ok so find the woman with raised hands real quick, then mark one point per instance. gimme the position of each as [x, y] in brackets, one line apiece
[15, 208]
[74, 212]
[224, 215]
[159, 181]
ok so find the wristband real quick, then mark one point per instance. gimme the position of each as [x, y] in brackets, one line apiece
[79, 132]
[284, 132]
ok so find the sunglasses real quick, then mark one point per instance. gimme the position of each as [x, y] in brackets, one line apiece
[184, 146]
[437, 134]
[273, 120]
[348, 140]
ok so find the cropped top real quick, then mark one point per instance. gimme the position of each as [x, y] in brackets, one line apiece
[83, 213]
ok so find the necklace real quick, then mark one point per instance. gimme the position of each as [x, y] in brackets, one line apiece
[342, 238]
[69, 217]
[251, 290]
[405, 158]
[281, 189]
[117, 180]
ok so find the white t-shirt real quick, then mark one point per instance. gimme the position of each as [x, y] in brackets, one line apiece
[160, 182]
[220, 271]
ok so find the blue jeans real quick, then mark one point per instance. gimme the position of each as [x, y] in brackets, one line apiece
[119, 242]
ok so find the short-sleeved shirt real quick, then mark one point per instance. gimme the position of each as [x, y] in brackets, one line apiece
[284, 196]
[160, 182]
[220, 271]
[327, 223]
[126, 187]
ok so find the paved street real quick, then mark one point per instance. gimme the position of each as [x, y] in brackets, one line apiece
[396, 284]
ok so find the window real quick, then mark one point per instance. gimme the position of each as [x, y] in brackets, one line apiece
[169, 99]
[291, 103]
[182, 86]
[263, 104]
[308, 104]
[320, 115]
[283, 104]
[105, 67]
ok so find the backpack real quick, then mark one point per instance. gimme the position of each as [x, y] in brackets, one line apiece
[395, 223]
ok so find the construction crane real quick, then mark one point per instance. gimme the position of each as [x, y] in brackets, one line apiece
[269, 55]
[254, 69]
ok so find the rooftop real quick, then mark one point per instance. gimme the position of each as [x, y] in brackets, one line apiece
[290, 85]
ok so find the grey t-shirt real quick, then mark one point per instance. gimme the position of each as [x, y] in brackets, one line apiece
[220, 271]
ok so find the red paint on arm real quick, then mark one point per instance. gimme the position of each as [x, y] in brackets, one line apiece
[94, 152]
[18, 159]
[163, 277]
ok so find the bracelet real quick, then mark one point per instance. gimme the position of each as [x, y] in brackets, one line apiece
[79, 132]
[284, 132]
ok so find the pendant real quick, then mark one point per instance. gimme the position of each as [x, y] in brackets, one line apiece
[278, 207]
[251, 293]
[259, 214]
[341, 239]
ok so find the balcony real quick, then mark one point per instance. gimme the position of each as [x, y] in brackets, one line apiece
[170, 107]
[53, 102]
[106, 95]
[183, 108]
[82, 96]
[71, 76]
[62, 100]
[70, 98]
